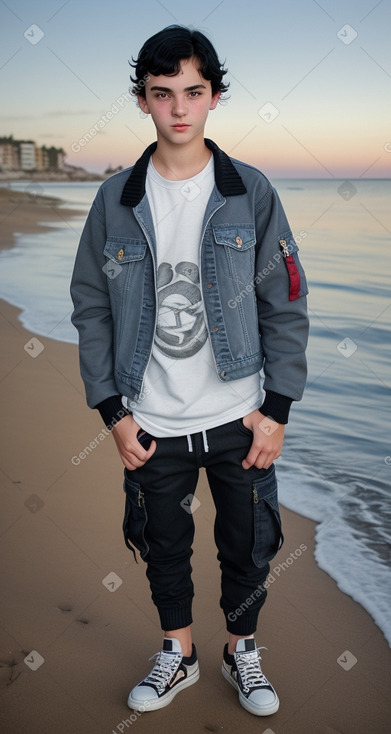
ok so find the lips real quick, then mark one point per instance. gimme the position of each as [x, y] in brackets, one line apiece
[180, 126]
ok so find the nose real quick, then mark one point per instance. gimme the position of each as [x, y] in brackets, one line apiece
[179, 107]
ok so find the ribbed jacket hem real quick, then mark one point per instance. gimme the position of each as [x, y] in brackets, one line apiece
[112, 410]
[276, 406]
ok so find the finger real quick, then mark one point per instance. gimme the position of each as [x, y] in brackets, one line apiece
[151, 450]
[137, 456]
[264, 462]
[251, 457]
[145, 454]
[265, 459]
[137, 449]
[258, 457]
[128, 464]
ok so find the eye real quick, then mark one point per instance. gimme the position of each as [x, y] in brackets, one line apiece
[162, 95]
[195, 94]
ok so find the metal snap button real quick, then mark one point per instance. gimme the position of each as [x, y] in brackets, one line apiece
[120, 254]
[239, 241]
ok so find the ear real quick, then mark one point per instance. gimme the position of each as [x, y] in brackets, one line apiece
[143, 104]
[214, 100]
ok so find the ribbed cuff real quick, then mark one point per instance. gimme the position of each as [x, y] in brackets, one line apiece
[174, 618]
[244, 625]
[112, 410]
[276, 406]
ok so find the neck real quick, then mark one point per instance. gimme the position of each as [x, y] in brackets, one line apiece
[178, 162]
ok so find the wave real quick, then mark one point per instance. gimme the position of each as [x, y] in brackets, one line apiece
[342, 549]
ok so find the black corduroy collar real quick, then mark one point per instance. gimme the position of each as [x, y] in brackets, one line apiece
[228, 180]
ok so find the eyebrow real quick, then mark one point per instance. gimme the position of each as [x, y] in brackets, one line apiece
[187, 89]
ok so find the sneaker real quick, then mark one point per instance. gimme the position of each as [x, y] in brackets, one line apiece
[171, 673]
[243, 671]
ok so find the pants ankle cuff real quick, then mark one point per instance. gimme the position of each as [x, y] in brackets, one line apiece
[243, 625]
[175, 617]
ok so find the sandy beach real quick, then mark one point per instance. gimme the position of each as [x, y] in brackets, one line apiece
[77, 623]
[28, 211]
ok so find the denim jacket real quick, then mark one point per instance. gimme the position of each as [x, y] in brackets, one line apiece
[252, 283]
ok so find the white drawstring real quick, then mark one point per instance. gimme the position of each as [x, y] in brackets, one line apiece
[204, 438]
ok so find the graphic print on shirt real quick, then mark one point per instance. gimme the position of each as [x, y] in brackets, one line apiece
[181, 329]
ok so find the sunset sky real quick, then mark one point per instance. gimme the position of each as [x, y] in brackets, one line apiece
[323, 70]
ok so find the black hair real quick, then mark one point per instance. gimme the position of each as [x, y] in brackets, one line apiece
[163, 52]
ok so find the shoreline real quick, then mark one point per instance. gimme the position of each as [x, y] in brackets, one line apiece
[29, 213]
[57, 176]
[60, 536]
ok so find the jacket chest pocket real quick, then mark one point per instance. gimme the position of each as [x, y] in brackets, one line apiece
[268, 537]
[123, 254]
[235, 255]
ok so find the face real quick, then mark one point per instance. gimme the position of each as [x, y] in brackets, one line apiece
[179, 105]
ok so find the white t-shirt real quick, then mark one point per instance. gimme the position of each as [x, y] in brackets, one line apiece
[181, 392]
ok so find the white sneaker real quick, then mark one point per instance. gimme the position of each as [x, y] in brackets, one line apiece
[243, 671]
[171, 673]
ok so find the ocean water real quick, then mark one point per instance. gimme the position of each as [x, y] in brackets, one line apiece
[336, 464]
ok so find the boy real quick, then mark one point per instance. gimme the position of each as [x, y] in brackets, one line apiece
[186, 284]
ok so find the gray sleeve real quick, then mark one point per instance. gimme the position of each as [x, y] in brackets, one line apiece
[281, 291]
[92, 310]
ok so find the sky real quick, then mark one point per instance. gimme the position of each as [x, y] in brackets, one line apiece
[309, 93]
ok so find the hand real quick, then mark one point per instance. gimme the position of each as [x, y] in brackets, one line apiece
[267, 441]
[132, 453]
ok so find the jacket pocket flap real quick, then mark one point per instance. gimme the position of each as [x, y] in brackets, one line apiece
[239, 237]
[287, 244]
[124, 249]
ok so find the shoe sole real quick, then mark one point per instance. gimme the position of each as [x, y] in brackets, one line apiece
[265, 711]
[165, 700]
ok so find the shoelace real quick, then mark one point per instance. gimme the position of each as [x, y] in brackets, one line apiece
[249, 669]
[164, 669]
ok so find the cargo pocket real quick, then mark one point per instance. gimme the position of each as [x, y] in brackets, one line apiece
[268, 537]
[135, 518]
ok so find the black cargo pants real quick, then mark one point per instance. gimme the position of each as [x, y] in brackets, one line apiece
[159, 523]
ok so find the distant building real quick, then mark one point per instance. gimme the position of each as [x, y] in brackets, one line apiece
[55, 157]
[60, 159]
[41, 158]
[9, 154]
[27, 156]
